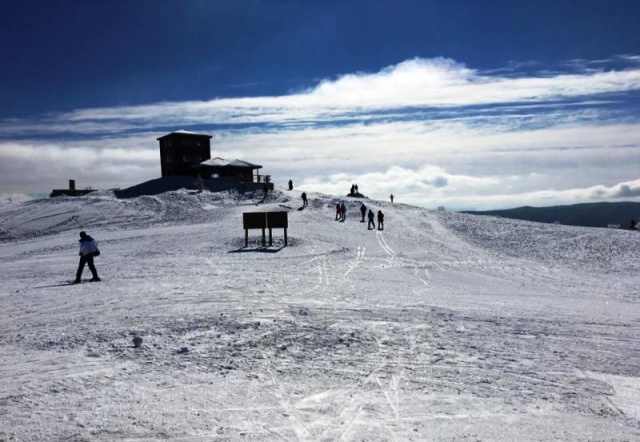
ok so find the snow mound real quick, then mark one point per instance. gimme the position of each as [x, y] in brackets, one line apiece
[441, 326]
[174, 183]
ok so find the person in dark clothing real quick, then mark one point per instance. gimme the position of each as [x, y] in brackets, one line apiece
[338, 212]
[305, 203]
[290, 185]
[380, 220]
[372, 224]
[88, 250]
[391, 196]
[343, 211]
[352, 190]
[363, 211]
[355, 186]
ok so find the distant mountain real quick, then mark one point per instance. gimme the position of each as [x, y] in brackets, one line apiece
[586, 215]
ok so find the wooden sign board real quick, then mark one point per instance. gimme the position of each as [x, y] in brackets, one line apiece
[264, 220]
[277, 220]
[254, 220]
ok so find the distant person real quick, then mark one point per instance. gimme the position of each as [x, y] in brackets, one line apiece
[632, 226]
[338, 212]
[352, 190]
[356, 187]
[380, 220]
[343, 211]
[88, 250]
[363, 211]
[290, 185]
[266, 189]
[372, 224]
[305, 203]
[391, 196]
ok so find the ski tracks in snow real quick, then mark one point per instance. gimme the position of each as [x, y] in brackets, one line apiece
[395, 261]
[360, 251]
[298, 426]
[376, 401]
[388, 250]
[359, 407]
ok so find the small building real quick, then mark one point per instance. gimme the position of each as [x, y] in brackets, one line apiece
[71, 191]
[243, 171]
[181, 150]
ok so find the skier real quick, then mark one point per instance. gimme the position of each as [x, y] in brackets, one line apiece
[380, 220]
[304, 199]
[88, 249]
[363, 211]
[343, 211]
[371, 224]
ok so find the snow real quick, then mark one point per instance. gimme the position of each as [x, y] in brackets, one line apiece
[186, 132]
[221, 162]
[444, 326]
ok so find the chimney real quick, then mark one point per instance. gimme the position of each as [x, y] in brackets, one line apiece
[72, 184]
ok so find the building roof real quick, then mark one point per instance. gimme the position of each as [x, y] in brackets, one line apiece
[240, 163]
[184, 132]
[216, 162]
[221, 162]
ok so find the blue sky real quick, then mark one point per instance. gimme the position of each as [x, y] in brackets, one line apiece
[466, 104]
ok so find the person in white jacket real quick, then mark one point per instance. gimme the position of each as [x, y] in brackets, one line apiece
[88, 250]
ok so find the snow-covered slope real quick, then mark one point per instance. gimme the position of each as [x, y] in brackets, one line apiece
[442, 326]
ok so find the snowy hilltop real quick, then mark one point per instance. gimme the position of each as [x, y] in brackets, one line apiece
[441, 327]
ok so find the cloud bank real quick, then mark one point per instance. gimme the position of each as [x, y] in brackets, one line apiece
[431, 131]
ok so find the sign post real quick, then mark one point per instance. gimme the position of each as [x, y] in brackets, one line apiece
[264, 220]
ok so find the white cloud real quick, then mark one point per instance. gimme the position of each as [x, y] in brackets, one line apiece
[628, 191]
[38, 167]
[429, 129]
[420, 187]
[7, 198]
[398, 180]
[417, 83]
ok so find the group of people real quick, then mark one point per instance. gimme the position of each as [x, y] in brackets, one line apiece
[341, 212]
[354, 189]
[371, 216]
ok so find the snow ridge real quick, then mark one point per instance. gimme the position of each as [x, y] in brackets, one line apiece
[442, 326]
